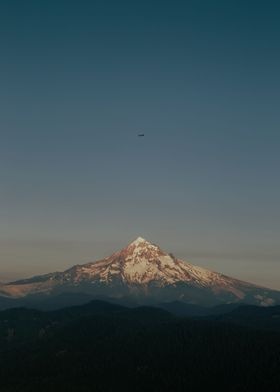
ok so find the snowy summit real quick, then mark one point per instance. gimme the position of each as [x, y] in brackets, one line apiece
[144, 271]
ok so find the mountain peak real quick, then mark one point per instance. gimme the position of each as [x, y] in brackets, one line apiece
[140, 246]
[143, 270]
[139, 240]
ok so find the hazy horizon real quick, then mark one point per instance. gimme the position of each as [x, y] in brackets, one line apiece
[79, 82]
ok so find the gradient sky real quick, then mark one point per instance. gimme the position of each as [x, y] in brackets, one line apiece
[80, 79]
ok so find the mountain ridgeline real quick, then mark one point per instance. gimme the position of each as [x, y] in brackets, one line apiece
[144, 274]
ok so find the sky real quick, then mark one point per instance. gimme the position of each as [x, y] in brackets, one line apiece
[80, 79]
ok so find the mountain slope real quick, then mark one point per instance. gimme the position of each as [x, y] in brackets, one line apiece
[144, 272]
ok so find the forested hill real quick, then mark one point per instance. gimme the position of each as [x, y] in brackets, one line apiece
[106, 347]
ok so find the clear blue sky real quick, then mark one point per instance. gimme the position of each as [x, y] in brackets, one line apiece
[80, 79]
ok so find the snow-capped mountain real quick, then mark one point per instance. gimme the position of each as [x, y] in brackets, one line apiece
[144, 272]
